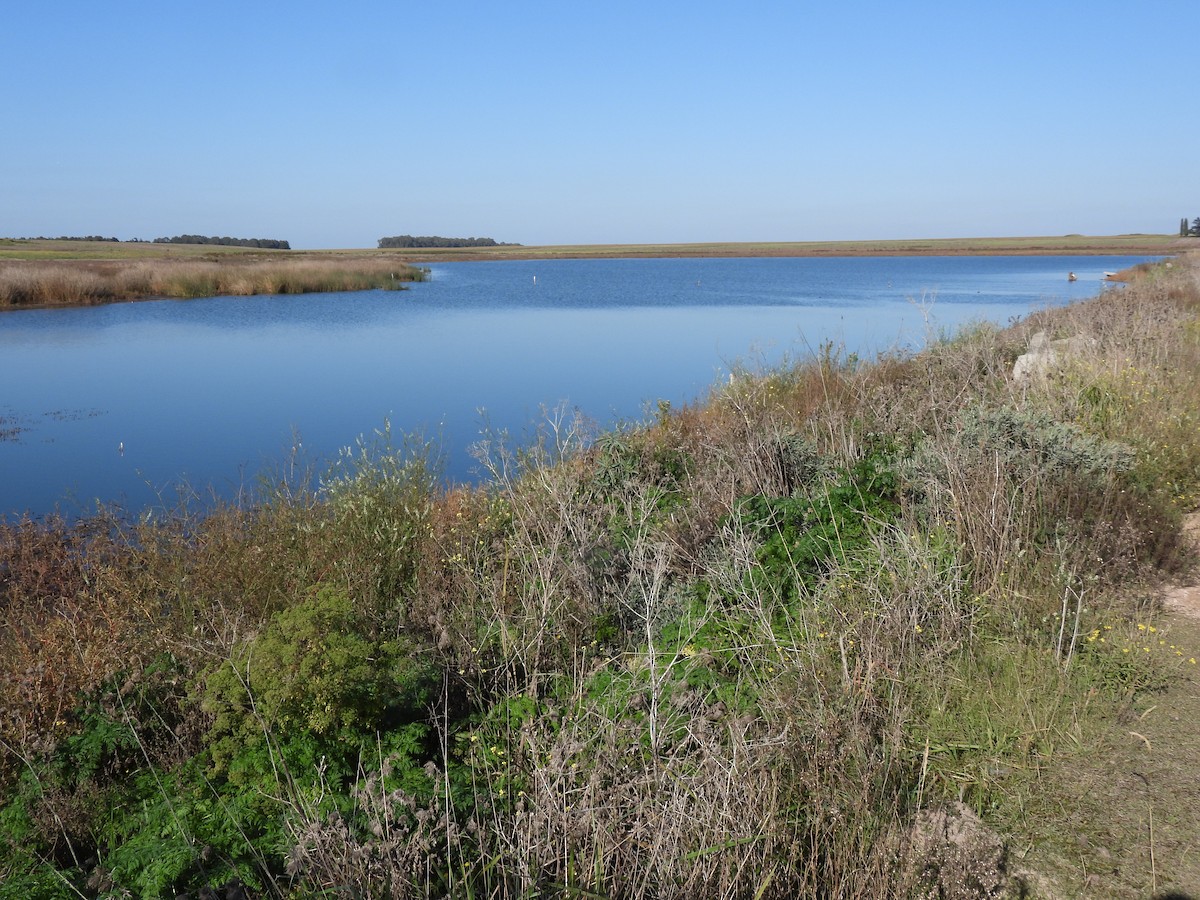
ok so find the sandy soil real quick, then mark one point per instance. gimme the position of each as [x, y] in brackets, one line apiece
[1184, 600]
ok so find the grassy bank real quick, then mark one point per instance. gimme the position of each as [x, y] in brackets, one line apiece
[776, 644]
[38, 282]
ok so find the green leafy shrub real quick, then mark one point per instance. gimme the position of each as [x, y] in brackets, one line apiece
[802, 536]
[313, 678]
[118, 804]
[1031, 443]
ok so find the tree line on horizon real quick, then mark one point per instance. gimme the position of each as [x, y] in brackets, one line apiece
[89, 237]
[260, 243]
[1192, 230]
[405, 241]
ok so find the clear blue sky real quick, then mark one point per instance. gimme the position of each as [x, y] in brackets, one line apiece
[331, 125]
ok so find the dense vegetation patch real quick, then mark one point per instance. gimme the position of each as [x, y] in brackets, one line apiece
[77, 282]
[744, 650]
[260, 243]
[405, 241]
[89, 238]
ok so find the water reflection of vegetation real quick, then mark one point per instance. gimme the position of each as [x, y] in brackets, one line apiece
[730, 653]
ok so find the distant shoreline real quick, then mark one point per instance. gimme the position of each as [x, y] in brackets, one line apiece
[1070, 245]
[52, 273]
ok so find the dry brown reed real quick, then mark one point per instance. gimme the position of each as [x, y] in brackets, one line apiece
[30, 283]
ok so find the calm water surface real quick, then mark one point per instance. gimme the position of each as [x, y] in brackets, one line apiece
[215, 392]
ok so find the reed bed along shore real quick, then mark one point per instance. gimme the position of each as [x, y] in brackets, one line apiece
[36, 283]
[817, 636]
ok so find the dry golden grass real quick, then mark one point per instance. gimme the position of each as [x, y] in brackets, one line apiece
[74, 282]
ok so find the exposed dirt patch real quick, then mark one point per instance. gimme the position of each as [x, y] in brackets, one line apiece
[952, 855]
[1184, 600]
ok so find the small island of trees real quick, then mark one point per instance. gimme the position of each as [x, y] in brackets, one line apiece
[260, 243]
[405, 241]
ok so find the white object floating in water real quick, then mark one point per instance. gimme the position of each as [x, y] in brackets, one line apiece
[535, 279]
[121, 448]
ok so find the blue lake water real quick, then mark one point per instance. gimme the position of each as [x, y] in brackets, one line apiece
[214, 392]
